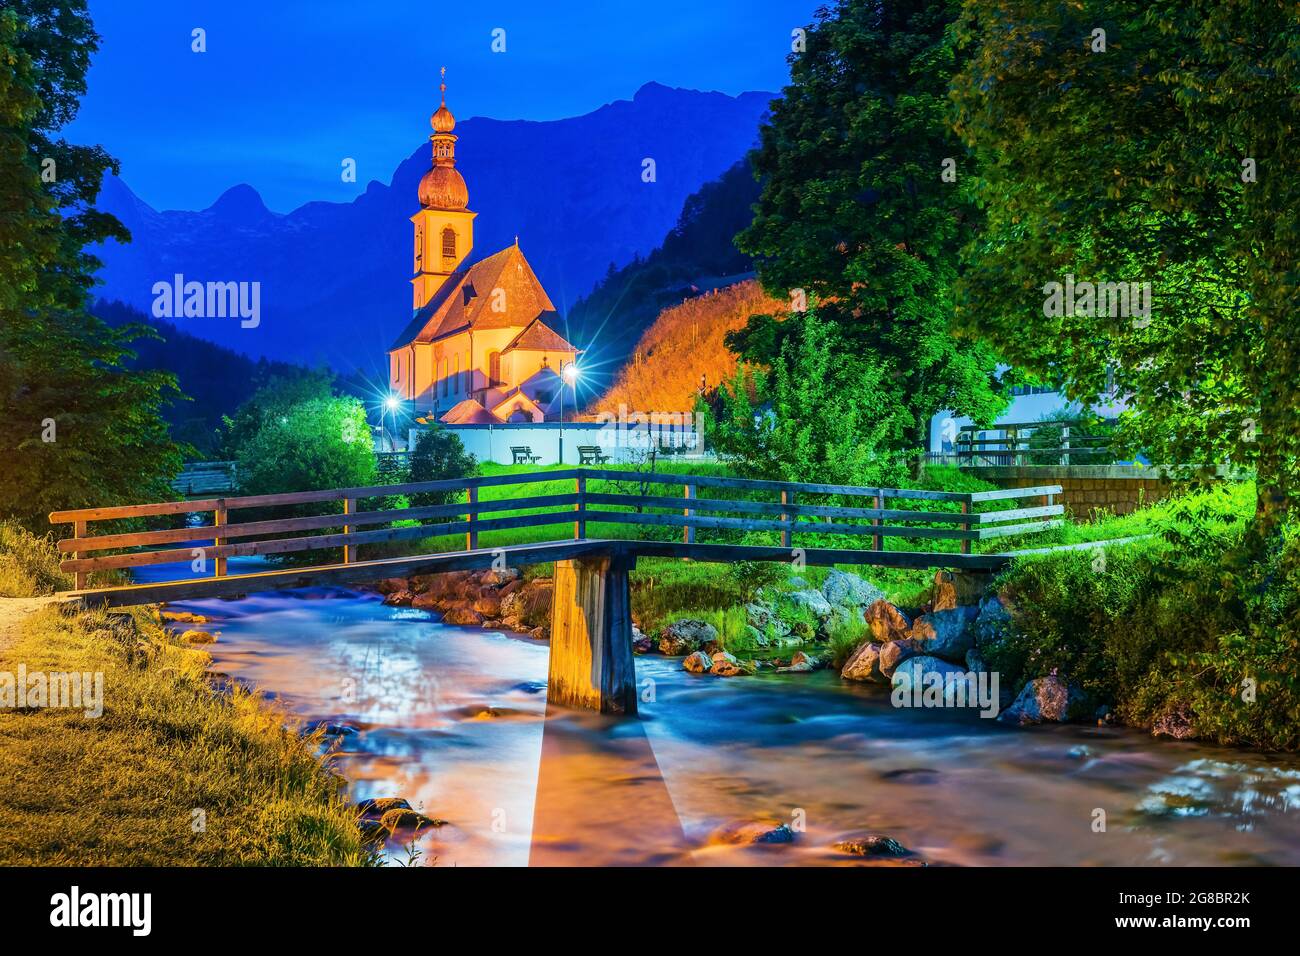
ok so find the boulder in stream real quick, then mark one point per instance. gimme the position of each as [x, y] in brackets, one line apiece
[685, 636]
[864, 665]
[886, 622]
[698, 663]
[850, 590]
[1046, 700]
[725, 665]
[945, 634]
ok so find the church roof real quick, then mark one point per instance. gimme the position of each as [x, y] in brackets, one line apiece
[465, 300]
[515, 395]
[539, 337]
[470, 412]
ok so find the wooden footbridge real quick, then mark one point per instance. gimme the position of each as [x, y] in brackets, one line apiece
[591, 647]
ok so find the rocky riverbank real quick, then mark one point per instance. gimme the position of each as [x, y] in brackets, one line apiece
[500, 599]
[791, 630]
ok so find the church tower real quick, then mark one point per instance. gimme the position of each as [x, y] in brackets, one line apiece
[444, 227]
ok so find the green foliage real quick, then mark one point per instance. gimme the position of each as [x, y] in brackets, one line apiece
[1164, 159]
[78, 428]
[320, 443]
[855, 210]
[271, 401]
[29, 564]
[818, 415]
[1170, 625]
[439, 455]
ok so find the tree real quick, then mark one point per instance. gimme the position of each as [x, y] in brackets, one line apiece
[866, 203]
[272, 400]
[1149, 142]
[439, 455]
[819, 414]
[317, 444]
[79, 429]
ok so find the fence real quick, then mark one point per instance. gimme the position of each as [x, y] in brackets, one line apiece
[597, 497]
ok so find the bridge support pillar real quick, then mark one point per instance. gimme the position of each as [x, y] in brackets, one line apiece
[591, 636]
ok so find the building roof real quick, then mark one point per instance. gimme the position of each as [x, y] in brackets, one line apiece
[465, 299]
[515, 395]
[539, 337]
[470, 412]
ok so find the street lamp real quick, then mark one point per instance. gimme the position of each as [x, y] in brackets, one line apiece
[390, 405]
[568, 373]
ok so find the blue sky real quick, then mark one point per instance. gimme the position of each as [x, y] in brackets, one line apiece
[288, 88]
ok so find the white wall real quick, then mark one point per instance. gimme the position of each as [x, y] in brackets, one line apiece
[493, 442]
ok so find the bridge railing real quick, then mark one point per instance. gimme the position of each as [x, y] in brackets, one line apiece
[701, 505]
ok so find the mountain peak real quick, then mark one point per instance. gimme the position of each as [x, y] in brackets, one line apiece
[240, 202]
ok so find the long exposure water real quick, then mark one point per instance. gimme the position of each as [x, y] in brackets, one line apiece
[455, 720]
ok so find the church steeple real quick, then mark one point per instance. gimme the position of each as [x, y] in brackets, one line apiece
[444, 231]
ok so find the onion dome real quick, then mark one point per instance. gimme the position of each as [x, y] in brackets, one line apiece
[442, 187]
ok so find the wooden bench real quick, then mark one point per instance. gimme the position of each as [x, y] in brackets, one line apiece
[523, 455]
[590, 455]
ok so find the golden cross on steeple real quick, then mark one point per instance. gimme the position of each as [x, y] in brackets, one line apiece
[443, 86]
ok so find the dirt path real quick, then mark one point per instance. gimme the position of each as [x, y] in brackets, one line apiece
[13, 611]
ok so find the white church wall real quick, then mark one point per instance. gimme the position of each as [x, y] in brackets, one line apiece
[493, 442]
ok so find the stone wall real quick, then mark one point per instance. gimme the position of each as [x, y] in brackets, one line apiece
[1118, 489]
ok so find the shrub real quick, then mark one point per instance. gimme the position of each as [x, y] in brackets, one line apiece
[1187, 622]
[439, 455]
[29, 564]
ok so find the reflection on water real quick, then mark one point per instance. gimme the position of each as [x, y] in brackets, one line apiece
[456, 721]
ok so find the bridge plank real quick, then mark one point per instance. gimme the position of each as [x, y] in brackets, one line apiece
[250, 529]
[1002, 493]
[776, 508]
[513, 556]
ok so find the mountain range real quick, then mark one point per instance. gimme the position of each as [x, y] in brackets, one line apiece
[334, 276]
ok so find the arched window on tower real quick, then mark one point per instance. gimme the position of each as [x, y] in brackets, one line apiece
[449, 243]
[419, 248]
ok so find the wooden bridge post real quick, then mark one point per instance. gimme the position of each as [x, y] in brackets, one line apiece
[580, 526]
[878, 503]
[349, 550]
[787, 534]
[79, 531]
[471, 536]
[591, 665]
[965, 542]
[220, 518]
[688, 530]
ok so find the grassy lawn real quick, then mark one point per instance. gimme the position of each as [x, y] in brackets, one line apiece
[171, 772]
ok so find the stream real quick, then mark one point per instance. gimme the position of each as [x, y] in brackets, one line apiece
[455, 720]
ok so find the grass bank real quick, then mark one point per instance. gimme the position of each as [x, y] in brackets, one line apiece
[1188, 631]
[171, 773]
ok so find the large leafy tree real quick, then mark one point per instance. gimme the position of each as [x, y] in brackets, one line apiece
[78, 429]
[1146, 141]
[819, 413]
[866, 203]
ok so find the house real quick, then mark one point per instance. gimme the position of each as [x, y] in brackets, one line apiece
[480, 347]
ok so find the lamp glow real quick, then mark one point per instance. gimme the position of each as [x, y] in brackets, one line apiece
[571, 372]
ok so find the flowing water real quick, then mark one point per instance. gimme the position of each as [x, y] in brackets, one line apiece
[456, 721]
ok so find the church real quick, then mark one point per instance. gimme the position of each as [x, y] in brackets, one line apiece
[478, 349]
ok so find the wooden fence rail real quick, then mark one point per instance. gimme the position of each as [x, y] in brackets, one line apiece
[790, 513]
